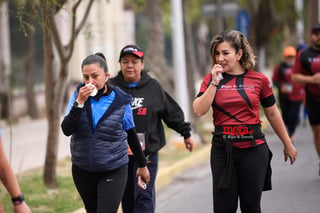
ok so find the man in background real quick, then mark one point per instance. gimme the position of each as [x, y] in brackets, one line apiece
[306, 70]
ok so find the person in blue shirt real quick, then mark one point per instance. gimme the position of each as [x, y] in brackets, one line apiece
[100, 122]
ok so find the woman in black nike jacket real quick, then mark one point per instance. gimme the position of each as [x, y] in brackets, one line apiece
[150, 106]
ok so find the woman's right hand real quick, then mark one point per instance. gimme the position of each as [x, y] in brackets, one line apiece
[290, 151]
[144, 173]
[84, 93]
[216, 71]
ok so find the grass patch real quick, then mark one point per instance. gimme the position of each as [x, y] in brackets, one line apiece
[64, 198]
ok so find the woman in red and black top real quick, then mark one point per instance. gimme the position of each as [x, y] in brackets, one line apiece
[240, 157]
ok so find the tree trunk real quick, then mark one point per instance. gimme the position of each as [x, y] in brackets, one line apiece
[53, 130]
[259, 36]
[55, 90]
[29, 67]
[312, 17]
[5, 61]
[201, 31]
[52, 138]
[51, 151]
[191, 62]
[155, 54]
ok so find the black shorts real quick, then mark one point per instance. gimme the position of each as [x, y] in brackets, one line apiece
[313, 109]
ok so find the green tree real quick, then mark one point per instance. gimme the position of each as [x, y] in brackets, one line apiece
[272, 24]
[155, 53]
[155, 35]
[56, 80]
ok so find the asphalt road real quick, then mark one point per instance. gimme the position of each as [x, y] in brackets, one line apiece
[296, 189]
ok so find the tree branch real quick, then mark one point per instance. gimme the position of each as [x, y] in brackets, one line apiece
[76, 31]
[52, 27]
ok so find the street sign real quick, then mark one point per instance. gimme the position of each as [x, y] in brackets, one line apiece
[243, 22]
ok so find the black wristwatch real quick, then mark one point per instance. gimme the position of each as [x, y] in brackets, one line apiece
[17, 200]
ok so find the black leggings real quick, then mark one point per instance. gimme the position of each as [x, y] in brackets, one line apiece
[313, 106]
[249, 169]
[101, 192]
[290, 113]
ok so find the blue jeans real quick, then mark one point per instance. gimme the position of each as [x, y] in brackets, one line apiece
[135, 199]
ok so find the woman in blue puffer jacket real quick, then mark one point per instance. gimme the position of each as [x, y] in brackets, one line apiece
[99, 120]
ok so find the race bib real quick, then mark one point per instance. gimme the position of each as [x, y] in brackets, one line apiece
[141, 138]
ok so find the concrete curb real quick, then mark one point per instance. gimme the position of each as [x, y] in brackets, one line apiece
[166, 175]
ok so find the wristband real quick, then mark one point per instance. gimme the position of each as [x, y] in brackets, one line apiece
[17, 200]
[213, 84]
[78, 105]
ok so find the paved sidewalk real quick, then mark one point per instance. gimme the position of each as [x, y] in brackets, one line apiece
[25, 144]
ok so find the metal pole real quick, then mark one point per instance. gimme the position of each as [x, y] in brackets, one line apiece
[179, 57]
[299, 23]
[318, 11]
[220, 15]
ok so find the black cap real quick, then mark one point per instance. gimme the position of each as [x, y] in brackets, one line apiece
[315, 28]
[131, 49]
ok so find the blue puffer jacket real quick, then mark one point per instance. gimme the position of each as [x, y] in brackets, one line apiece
[105, 148]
